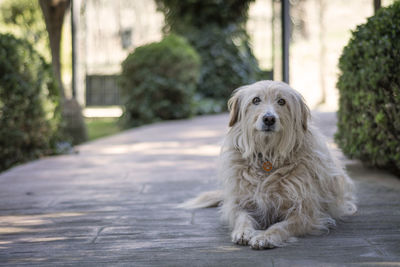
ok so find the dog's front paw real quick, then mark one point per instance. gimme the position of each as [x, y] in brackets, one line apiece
[350, 208]
[263, 241]
[242, 237]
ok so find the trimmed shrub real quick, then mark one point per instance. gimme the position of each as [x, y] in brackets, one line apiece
[369, 86]
[29, 103]
[158, 81]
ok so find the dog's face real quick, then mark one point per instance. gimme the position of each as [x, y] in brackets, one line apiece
[265, 111]
[269, 109]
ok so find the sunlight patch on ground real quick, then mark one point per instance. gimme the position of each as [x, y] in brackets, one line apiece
[383, 263]
[14, 230]
[199, 134]
[22, 220]
[11, 224]
[41, 239]
[162, 148]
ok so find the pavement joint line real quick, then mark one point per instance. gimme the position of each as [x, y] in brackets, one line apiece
[376, 248]
[97, 234]
[51, 203]
[126, 176]
[192, 217]
[142, 190]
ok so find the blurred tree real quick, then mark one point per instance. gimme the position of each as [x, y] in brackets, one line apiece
[179, 15]
[217, 31]
[54, 12]
[24, 19]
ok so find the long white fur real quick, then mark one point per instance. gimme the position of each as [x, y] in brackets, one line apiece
[307, 189]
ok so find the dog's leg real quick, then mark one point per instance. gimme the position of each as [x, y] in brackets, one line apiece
[243, 229]
[241, 222]
[279, 233]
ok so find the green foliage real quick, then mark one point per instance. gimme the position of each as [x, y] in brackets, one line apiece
[227, 61]
[179, 15]
[369, 85]
[24, 19]
[29, 103]
[216, 30]
[205, 105]
[158, 81]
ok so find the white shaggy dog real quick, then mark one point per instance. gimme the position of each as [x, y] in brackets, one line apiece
[279, 178]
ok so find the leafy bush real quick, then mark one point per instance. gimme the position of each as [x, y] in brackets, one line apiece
[369, 86]
[158, 81]
[24, 19]
[205, 105]
[216, 29]
[29, 103]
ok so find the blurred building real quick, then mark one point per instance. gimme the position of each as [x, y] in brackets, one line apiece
[108, 30]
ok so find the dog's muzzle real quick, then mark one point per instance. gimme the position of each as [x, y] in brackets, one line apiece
[268, 122]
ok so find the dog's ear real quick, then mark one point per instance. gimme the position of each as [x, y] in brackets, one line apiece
[233, 106]
[305, 114]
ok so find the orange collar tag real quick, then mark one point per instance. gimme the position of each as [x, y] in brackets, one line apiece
[267, 166]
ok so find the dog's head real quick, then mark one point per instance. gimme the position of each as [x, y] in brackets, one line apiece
[269, 112]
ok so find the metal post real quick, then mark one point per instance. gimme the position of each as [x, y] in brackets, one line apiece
[285, 40]
[273, 40]
[73, 38]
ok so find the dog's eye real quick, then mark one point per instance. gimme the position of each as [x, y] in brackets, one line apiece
[256, 100]
[281, 101]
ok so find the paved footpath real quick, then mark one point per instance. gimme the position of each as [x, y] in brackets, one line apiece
[114, 203]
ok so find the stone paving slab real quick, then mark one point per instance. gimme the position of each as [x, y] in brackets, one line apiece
[114, 203]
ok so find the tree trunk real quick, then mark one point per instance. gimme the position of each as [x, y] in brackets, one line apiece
[53, 12]
[377, 5]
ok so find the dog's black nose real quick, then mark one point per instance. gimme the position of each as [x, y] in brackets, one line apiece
[269, 120]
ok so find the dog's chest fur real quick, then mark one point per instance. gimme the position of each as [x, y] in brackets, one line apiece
[262, 193]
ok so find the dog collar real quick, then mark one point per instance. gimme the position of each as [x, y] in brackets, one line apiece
[267, 166]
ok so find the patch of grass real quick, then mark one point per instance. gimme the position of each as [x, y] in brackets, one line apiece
[101, 127]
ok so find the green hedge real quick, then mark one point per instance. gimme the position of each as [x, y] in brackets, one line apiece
[158, 81]
[369, 86]
[29, 103]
